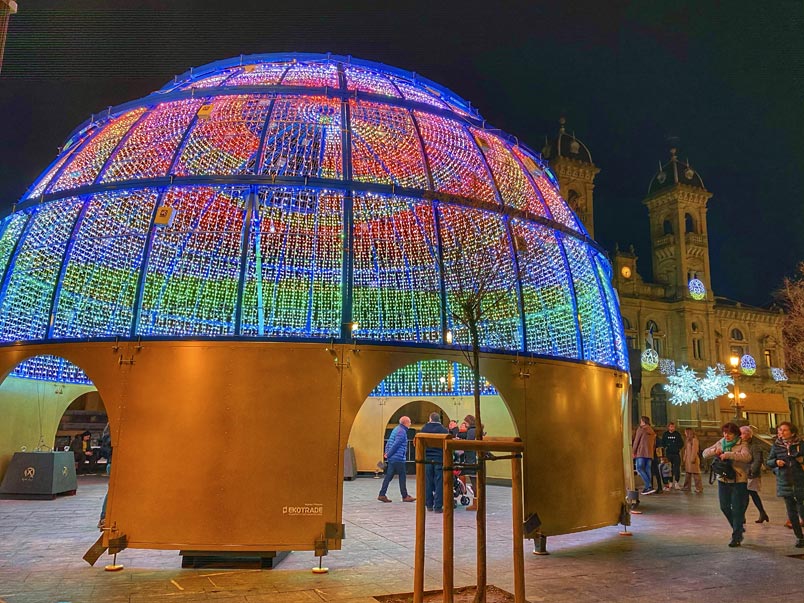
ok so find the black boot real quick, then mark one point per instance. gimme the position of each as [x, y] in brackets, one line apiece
[763, 517]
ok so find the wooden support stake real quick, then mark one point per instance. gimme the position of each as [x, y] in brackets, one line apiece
[517, 512]
[418, 576]
[449, 529]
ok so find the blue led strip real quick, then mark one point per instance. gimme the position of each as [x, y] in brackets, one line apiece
[559, 233]
[603, 301]
[439, 255]
[573, 296]
[80, 219]
[251, 201]
[511, 246]
[330, 184]
[54, 301]
[15, 252]
[347, 316]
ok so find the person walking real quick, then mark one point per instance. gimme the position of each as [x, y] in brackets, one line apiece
[434, 468]
[395, 455]
[673, 444]
[786, 458]
[642, 449]
[754, 470]
[692, 462]
[732, 491]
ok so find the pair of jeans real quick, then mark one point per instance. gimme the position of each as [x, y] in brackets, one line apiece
[433, 483]
[395, 468]
[675, 463]
[643, 469]
[795, 510]
[733, 498]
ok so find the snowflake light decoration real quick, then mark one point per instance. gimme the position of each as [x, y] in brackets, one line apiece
[715, 383]
[650, 360]
[778, 374]
[748, 365]
[667, 366]
[683, 386]
[697, 289]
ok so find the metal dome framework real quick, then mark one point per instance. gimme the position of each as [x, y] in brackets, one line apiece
[356, 191]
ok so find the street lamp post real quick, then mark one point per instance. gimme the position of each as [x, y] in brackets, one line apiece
[736, 396]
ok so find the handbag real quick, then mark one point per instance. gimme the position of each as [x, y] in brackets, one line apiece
[723, 469]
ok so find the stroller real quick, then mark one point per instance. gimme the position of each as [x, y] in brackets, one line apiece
[461, 490]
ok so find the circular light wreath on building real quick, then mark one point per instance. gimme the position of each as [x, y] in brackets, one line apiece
[300, 197]
[697, 289]
[649, 360]
[748, 366]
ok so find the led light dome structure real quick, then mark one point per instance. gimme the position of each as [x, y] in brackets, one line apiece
[256, 219]
[311, 197]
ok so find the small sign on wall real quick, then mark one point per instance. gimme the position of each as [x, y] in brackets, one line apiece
[164, 216]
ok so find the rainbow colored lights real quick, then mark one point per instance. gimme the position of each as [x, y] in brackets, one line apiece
[309, 192]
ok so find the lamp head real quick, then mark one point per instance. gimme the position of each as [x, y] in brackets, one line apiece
[734, 361]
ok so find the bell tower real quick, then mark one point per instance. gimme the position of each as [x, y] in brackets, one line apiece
[676, 203]
[572, 164]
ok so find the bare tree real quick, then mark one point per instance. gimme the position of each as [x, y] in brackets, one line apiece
[481, 275]
[791, 296]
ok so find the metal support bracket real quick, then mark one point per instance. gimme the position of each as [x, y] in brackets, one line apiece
[321, 548]
[334, 530]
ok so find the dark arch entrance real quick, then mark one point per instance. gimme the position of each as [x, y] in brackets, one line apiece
[658, 405]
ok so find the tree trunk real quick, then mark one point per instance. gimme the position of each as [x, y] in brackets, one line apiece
[480, 517]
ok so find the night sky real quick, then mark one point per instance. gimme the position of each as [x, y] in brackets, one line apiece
[726, 79]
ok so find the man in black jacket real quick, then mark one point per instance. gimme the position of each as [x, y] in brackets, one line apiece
[433, 470]
[673, 445]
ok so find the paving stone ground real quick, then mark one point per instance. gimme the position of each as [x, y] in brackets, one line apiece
[677, 553]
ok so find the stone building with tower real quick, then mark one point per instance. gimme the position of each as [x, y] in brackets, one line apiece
[678, 314]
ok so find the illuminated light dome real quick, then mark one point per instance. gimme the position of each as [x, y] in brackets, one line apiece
[300, 197]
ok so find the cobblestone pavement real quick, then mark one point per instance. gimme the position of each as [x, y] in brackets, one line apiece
[677, 553]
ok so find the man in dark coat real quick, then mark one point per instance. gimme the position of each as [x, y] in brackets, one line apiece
[433, 470]
[673, 444]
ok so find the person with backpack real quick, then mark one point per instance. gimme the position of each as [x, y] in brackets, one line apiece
[732, 488]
